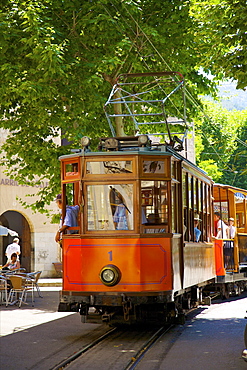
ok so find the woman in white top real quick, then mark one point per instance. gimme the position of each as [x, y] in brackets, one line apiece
[231, 231]
[221, 227]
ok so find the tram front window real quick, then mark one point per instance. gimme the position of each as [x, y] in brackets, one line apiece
[110, 207]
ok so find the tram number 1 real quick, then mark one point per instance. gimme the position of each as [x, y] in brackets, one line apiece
[110, 255]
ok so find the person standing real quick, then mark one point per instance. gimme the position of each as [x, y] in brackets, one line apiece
[229, 244]
[13, 248]
[221, 227]
[231, 231]
[70, 219]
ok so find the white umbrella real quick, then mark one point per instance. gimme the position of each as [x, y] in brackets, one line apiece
[4, 231]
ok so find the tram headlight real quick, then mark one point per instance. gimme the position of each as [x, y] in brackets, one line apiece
[85, 141]
[143, 140]
[111, 143]
[110, 275]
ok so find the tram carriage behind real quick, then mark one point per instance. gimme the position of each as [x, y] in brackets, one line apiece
[231, 263]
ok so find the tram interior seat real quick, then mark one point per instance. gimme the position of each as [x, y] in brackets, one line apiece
[154, 220]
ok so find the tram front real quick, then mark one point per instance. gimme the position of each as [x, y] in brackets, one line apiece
[121, 258]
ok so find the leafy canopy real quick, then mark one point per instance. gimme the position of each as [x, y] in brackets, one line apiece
[219, 146]
[221, 32]
[60, 58]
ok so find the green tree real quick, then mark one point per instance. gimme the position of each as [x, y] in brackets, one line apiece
[222, 33]
[217, 145]
[237, 161]
[57, 60]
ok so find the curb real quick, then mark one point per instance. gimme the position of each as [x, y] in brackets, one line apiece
[50, 282]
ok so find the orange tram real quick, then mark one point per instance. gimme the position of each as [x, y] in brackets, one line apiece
[134, 256]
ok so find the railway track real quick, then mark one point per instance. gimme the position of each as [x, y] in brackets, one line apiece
[85, 349]
[117, 348]
[141, 353]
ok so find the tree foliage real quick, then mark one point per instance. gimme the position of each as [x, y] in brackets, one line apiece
[223, 40]
[218, 143]
[60, 58]
[237, 161]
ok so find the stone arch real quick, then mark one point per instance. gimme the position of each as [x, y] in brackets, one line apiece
[17, 221]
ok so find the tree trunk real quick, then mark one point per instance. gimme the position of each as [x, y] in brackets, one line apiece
[119, 124]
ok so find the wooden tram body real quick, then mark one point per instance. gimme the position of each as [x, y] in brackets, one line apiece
[134, 254]
[230, 201]
[157, 262]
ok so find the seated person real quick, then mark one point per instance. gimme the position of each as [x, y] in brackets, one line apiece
[155, 220]
[14, 264]
[197, 232]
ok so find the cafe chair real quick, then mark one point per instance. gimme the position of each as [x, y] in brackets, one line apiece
[20, 286]
[3, 290]
[21, 271]
[34, 276]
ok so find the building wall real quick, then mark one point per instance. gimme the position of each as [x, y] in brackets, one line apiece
[42, 247]
[189, 147]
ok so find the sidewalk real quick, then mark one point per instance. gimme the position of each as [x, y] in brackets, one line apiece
[50, 282]
[14, 319]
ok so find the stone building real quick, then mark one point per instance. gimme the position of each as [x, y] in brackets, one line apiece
[38, 247]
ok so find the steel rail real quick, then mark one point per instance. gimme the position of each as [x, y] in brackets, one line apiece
[142, 351]
[73, 357]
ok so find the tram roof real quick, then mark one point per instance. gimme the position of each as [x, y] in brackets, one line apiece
[234, 189]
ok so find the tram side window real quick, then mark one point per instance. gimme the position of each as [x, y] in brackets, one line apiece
[70, 170]
[175, 210]
[240, 210]
[71, 191]
[185, 206]
[196, 209]
[110, 207]
[206, 214]
[154, 201]
[240, 220]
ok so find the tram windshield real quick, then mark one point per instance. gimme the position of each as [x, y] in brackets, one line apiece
[110, 207]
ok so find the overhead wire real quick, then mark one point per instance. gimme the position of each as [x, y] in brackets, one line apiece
[138, 52]
[188, 94]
